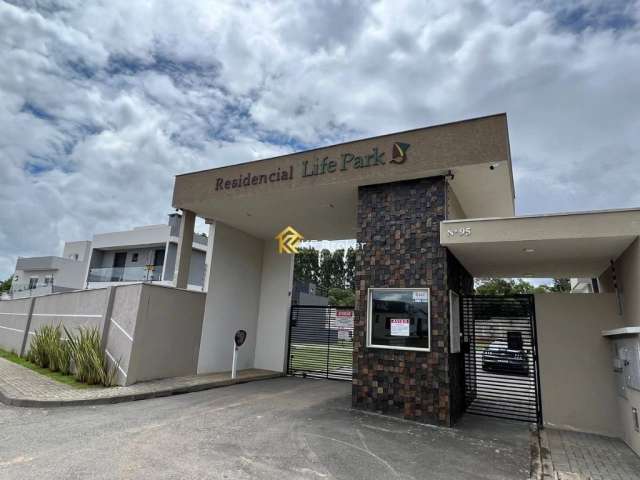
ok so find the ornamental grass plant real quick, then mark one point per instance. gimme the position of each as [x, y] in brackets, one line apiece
[79, 354]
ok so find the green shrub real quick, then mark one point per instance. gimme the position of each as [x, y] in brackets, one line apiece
[42, 345]
[49, 350]
[60, 356]
[80, 353]
[90, 364]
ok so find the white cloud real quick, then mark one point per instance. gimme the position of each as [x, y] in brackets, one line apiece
[102, 104]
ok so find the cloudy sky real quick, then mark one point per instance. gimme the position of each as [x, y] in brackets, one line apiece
[102, 103]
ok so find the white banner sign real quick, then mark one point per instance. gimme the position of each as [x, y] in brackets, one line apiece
[421, 296]
[399, 327]
[343, 334]
[344, 318]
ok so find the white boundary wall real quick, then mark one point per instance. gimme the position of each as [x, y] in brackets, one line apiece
[150, 330]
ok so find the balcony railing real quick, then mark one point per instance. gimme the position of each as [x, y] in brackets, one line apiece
[20, 290]
[125, 274]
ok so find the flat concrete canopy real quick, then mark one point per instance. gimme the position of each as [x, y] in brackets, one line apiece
[316, 191]
[558, 245]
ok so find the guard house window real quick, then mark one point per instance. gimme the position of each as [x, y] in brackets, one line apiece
[134, 257]
[399, 318]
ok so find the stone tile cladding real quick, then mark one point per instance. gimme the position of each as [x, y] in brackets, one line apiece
[398, 223]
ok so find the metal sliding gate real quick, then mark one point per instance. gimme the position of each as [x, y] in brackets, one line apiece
[501, 357]
[321, 342]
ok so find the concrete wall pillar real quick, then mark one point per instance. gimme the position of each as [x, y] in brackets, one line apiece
[185, 245]
[273, 315]
[27, 326]
[233, 299]
[106, 318]
[209, 255]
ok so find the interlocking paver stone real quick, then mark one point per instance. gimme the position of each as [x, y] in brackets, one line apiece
[23, 387]
[594, 457]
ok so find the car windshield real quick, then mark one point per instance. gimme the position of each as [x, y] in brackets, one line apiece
[501, 345]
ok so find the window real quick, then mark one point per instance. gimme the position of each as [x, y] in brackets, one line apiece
[33, 283]
[48, 280]
[134, 257]
[399, 318]
[158, 258]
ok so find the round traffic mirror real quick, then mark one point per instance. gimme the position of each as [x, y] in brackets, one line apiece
[240, 337]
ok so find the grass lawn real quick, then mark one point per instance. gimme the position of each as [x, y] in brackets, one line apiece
[314, 356]
[57, 376]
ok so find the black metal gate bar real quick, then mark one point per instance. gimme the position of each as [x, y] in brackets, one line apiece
[501, 357]
[321, 342]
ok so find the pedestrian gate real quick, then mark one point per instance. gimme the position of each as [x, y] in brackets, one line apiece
[501, 357]
[321, 342]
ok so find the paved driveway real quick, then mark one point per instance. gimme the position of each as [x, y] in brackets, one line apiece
[282, 428]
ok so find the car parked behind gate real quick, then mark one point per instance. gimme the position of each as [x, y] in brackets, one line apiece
[499, 358]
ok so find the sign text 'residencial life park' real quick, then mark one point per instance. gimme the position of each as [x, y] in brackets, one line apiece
[318, 166]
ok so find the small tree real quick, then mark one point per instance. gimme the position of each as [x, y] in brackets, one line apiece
[560, 285]
[350, 269]
[306, 265]
[340, 297]
[6, 285]
[337, 269]
[326, 270]
[506, 286]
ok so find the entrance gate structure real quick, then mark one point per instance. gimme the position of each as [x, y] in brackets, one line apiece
[501, 357]
[321, 342]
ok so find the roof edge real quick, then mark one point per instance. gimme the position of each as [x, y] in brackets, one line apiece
[546, 215]
[439, 125]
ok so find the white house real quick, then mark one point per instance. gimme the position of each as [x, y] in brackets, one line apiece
[145, 253]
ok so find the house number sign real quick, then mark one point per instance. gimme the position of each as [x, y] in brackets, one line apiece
[459, 232]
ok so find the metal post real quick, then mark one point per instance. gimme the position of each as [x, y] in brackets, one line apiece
[328, 313]
[233, 363]
[536, 358]
[288, 369]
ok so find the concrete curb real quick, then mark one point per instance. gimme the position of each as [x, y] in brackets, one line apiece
[129, 397]
[535, 471]
[548, 471]
[541, 463]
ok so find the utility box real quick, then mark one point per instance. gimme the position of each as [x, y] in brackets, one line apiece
[626, 358]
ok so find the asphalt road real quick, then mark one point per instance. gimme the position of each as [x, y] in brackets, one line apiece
[273, 429]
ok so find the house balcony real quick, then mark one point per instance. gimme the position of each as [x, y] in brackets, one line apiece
[125, 274]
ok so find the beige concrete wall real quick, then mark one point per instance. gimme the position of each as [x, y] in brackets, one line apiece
[151, 331]
[273, 315]
[627, 268]
[83, 308]
[232, 300]
[454, 209]
[13, 321]
[167, 333]
[577, 381]
[481, 140]
[121, 329]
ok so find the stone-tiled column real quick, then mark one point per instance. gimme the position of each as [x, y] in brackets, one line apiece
[398, 223]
